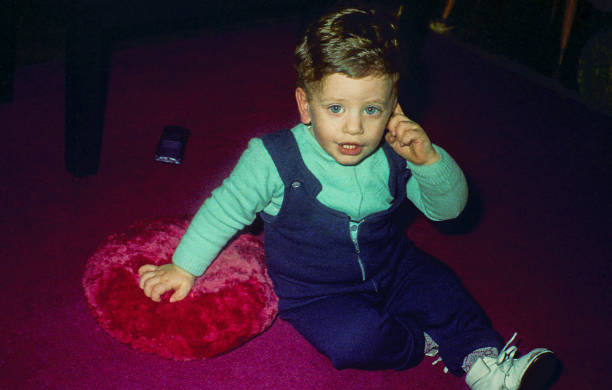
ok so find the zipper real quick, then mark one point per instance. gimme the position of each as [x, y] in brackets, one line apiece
[353, 232]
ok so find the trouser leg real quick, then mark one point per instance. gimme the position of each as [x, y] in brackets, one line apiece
[353, 333]
[427, 293]
[383, 330]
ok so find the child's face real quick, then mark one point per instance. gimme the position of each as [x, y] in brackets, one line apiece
[348, 116]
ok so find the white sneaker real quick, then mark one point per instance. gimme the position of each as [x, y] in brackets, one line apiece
[530, 372]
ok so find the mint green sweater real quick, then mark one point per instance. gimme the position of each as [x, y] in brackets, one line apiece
[438, 190]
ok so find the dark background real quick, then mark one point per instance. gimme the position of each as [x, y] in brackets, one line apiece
[525, 31]
[85, 32]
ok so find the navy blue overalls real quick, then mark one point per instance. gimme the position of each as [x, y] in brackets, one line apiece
[364, 303]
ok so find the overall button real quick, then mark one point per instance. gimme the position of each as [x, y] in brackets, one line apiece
[354, 228]
[296, 184]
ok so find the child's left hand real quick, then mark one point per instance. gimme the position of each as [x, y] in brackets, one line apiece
[409, 140]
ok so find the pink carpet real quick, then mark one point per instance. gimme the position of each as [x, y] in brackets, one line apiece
[538, 262]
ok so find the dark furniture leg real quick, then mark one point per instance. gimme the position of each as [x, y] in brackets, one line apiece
[87, 67]
[413, 87]
[7, 49]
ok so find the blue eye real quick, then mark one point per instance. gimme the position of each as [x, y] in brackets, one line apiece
[335, 108]
[371, 110]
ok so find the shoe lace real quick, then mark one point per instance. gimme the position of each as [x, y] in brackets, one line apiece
[505, 358]
[438, 360]
[506, 355]
[508, 352]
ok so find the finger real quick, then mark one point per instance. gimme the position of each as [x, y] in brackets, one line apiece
[394, 119]
[145, 277]
[158, 290]
[146, 286]
[398, 123]
[180, 293]
[146, 268]
[409, 137]
[406, 133]
[395, 145]
[398, 110]
[390, 138]
[150, 284]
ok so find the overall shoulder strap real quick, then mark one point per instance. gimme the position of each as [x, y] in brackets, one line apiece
[283, 149]
[285, 153]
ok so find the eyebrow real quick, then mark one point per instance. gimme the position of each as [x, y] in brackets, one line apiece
[340, 100]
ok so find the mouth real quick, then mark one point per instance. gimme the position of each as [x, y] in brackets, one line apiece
[350, 149]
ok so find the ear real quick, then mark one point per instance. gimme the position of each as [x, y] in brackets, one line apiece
[303, 106]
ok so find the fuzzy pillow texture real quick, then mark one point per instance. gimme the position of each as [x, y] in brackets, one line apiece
[229, 305]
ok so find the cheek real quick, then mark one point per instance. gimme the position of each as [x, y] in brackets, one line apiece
[316, 117]
[376, 127]
[323, 123]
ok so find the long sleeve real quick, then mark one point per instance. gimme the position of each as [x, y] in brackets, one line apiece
[250, 188]
[439, 190]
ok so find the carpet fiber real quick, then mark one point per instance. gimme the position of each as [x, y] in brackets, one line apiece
[538, 258]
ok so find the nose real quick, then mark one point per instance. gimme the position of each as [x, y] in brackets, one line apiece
[353, 125]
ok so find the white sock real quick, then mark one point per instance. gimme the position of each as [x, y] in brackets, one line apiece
[430, 345]
[477, 354]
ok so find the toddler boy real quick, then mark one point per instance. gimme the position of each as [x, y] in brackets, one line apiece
[329, 191]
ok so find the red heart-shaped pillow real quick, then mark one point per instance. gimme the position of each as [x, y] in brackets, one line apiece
[230, 304]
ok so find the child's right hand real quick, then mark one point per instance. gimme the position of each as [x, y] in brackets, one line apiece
[409, 140]
[156, 280]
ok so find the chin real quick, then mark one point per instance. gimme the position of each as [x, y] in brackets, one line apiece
[353, 160]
